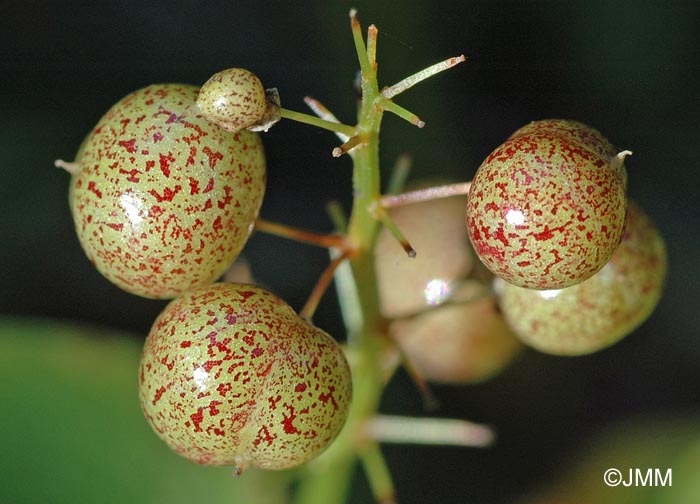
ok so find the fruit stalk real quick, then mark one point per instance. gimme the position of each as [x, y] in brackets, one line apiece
[329, 475]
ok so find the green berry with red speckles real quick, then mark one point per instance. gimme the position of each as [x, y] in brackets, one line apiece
[580, 133]
[547, 208]
[600, 311]
[163, 200]
[231, 375]
[233, 98]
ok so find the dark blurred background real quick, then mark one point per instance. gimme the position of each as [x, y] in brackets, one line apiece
[628, 68]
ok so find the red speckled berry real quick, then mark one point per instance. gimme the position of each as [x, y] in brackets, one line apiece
[230, 375]
[580, 133]
[233, 98]
[545, 209]
[600, 311]
[163, 200]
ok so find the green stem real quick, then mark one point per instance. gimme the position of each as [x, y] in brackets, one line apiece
[330, 474]
[404, 114]
[378, 474]
[317, 121]
[327, 478]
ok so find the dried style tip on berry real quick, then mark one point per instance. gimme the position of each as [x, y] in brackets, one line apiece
[547, 208]
[230, 375]
[234, 99]
[600, 311]
[164, 201]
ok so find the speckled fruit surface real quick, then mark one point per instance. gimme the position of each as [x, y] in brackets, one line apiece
[230, 375]
[163, 200]
[233, 98]
[546, 211]
[443, 256]
[580, 133]
[600, 311]
[458, 343]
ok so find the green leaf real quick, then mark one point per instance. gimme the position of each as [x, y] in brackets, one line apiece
[72, 429]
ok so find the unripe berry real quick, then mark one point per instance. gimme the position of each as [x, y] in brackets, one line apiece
[600, 311]
[163, 200]
[447, 335]
[233, 99]
[230, 375]
[547, 208]
[444, 256]
[458, 343]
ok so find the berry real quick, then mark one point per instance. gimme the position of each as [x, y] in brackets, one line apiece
[233, 99]
[547, 208]
[230, 375]
[600, 311]
[447, 336]
[457, 343]
[444, 257]
[581, 133]
[163, 200]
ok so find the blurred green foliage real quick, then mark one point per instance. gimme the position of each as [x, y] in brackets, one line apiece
[73, 432]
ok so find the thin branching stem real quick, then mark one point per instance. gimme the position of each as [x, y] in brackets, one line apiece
[432, 431]
[317, 121]
[398, 110]
[410, 81]
[399, 174]
[427, 194]
[383, 216]
[307, 312]
[301, 235]
[378, 474]
[322, 111]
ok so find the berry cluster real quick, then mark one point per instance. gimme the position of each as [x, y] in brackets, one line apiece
[167, 188]
[165, 193]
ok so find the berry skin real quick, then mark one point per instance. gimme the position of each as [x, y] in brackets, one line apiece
[447, 335]
[444, 257]
[230, 375]
[600, 311]
[164, 201]
[233, 99]
[457, 343]
[578, 132]
[547, 208]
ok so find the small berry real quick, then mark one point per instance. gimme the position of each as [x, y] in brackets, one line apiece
[233, 99]
[163, 200]
[547, 208]
[231, 375]
[600, 311]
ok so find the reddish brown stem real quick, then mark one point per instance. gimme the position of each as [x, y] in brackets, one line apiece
[321, 286]
[430, 401]
[301, 235]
